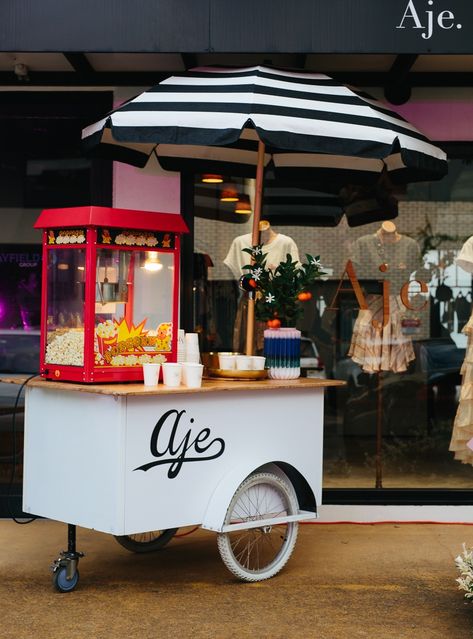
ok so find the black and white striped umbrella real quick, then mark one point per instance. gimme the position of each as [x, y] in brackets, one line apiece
[306, 126]
[314, 129]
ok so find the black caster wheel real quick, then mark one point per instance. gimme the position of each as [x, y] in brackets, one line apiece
[62, 583]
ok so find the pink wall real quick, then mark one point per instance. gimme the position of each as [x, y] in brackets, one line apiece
[148, 189]
[440, 120]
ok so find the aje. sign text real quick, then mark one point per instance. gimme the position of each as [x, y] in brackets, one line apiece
[414, 20]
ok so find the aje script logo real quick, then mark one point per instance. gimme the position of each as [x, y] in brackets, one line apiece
[444, 19]
[169, 448]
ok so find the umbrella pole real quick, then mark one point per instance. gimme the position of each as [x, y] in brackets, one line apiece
[379, 433]
[250, 320]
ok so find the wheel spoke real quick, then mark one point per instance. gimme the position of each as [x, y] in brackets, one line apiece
[260, 552]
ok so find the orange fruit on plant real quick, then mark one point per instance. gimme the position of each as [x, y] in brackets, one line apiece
[304, 296]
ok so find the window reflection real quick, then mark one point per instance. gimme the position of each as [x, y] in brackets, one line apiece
[400, 353]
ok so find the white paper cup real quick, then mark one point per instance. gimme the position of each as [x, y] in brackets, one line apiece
[181, 345]
[192, 342]
[227, 362]
[172, 373]
[243, 362]
[192, 374]
[151, 373]
[192, 357]
[257, 362]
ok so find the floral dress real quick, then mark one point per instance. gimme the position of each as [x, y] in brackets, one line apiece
[463, 424]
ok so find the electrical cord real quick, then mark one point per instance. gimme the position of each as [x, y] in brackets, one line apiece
[14, 455]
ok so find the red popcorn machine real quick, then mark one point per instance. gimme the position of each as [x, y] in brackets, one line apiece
[110, 294]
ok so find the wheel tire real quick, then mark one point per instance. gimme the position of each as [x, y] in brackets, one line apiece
[146, 542]
[60, 581]
[255, 554]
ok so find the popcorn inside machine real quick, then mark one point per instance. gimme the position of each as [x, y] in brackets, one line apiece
[110, 294]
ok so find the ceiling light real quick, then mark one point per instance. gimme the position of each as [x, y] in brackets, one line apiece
[229, 194]
[212, 178]
[243, 205]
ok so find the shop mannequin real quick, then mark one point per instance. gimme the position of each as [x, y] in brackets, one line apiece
[387, 233]
[386, 254]
[463, 424]
[275, 245]
[399, 254]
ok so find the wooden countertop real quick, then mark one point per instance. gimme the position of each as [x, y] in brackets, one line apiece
[208, 386]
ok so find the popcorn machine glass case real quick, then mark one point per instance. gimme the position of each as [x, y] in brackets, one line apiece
[110, 295]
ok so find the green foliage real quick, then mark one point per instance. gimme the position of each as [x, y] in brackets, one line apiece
[277, 290]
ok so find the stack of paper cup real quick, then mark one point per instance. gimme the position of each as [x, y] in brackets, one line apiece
[192, 348]
[181, 345]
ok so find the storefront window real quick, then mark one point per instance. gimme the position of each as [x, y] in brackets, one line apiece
[398, 341]
[41, 166]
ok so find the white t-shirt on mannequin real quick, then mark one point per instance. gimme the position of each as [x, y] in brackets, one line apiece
[276, 252]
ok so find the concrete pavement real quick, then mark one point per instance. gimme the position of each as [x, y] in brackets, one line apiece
[378, 581]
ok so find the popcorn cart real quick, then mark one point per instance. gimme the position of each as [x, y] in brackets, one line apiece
[110, 292]
[240, 458]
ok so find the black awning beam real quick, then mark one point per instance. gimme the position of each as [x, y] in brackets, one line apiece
[189, 60]
[79, 63]
[147, 78]
[397, 88]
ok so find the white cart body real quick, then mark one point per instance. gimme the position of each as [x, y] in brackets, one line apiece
[127, 459]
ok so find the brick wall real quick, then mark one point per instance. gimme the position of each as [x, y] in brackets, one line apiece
[454, 219]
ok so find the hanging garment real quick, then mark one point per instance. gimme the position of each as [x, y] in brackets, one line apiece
[380, 349]
[462, 309]
[463, 424]
[443, 293]
[448, 316]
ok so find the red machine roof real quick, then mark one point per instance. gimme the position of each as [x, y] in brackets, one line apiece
[107, 216]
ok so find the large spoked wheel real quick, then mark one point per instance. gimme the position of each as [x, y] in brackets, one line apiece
[254, 554]
[148, 541]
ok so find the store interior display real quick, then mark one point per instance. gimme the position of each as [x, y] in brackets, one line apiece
[379, 341]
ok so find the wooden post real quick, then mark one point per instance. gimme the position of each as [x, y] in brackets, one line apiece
[250, 320]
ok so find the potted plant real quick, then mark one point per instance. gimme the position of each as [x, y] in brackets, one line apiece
[280, 294]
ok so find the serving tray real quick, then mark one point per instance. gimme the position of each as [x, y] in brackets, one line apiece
[237, 375]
